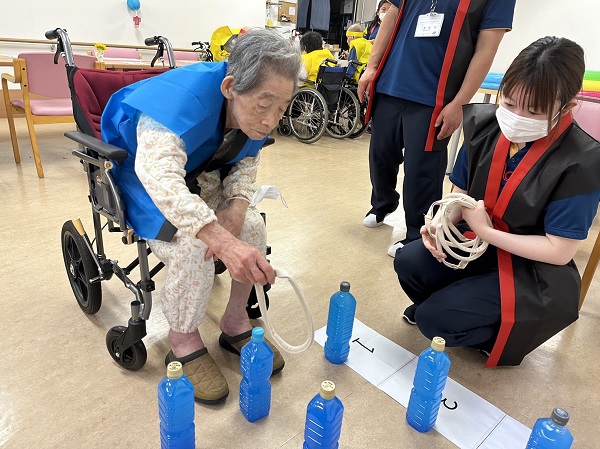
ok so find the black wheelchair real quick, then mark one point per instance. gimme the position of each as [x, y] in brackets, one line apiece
[85, 260]
[328, 106]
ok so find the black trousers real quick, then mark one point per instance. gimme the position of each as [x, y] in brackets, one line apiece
[399, 133]
[462, 306]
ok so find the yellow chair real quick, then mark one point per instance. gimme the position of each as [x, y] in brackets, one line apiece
[37, 74]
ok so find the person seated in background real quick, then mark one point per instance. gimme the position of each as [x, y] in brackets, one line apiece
[360, 50]
[174, 127]
[371, 31]
[313, 55]
[535, 173]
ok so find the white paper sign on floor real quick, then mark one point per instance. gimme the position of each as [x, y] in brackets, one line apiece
[464, 418]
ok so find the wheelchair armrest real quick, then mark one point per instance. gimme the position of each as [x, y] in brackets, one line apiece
[104, 149]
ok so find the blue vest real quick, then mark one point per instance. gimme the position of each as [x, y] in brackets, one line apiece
[188, 101]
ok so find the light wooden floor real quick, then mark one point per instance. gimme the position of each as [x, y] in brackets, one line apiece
[59, 388]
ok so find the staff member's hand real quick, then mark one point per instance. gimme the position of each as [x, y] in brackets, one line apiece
[477, 218]
[429, 243]
[364, 83]
[450, 119]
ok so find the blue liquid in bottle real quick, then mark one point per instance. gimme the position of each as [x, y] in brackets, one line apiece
[256, 365]
[176, 410]
[428, 385]
[551, 433]
[323, 419]
[340, 320]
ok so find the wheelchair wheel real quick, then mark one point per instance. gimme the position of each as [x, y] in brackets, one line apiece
[132, 358]
[252, 308]
[80, 267]
[308, 115]
[343, 121]
[362, 125]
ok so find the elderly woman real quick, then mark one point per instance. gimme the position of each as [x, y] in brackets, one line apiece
[194, 135]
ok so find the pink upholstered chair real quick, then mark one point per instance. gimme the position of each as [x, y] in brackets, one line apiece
[121, 53]
[37, 74]
[187, 56]
[587, 115]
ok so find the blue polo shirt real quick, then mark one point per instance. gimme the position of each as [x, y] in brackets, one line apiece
[570, 218]
[413, 67]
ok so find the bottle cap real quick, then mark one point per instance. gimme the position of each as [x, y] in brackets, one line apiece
[174, 370]
[345, 286]
[258, 334]
[327, 389]
[438, 344]
[559, 417]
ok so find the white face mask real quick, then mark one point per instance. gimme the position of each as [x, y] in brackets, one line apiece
[381, 16]
[521, 129]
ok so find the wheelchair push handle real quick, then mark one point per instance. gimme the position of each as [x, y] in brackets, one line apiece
[52, 34]
[163, 45]
[150, 41]
[355, 63]
[63, 45]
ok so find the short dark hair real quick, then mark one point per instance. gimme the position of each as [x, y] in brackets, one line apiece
[549, 69]
[311, 41]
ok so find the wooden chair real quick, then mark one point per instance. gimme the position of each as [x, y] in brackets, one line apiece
[37, 74]
[587, 115]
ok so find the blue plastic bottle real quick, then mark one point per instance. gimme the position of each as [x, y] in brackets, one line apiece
[551, 433]
[176, 410]
[340, 320]
[256, 365]
[430, 379]
[323, 419]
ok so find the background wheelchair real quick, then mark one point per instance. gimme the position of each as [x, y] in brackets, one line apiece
[329, 107]
[87, 266]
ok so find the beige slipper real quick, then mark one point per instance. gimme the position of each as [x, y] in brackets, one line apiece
[210, 386]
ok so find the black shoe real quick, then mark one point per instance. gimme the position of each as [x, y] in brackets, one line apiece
[409, 314]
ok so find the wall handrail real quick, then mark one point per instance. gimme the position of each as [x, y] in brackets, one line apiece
[79, 44]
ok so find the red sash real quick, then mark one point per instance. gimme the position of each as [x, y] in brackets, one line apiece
[496, 206]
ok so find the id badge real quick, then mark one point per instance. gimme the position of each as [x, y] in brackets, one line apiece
[429, 25]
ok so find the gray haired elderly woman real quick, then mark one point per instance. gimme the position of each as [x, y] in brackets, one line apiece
[194, 135]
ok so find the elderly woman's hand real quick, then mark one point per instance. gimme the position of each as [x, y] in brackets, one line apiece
[245, 263]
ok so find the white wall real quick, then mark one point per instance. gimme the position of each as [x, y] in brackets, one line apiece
[184, 21]
[578, 20]
[181, 21]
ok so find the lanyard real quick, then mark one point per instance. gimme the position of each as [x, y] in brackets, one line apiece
[433, 5]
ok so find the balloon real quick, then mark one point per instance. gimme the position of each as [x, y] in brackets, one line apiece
[134, 5]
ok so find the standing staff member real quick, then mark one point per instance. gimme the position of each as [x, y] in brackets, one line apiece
[428, 60]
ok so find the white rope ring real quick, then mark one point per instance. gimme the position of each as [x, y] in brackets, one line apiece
[447, 237]
[260, 295]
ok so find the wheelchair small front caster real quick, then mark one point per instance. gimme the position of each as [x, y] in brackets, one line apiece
[284, 129]
[131, 358]
[252, 308]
